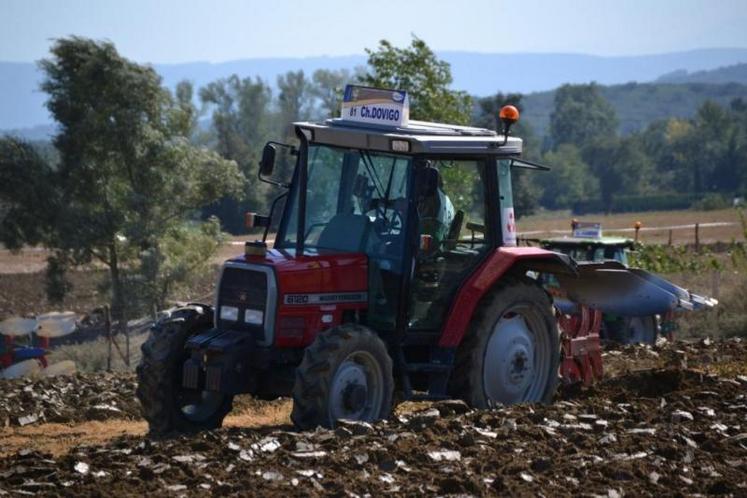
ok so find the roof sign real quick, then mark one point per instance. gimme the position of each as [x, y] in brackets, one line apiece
[376, 106]
[587, 230]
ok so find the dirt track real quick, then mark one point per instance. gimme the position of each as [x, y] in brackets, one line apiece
[672, 421]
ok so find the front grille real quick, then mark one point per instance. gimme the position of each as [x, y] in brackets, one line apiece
[243, 289]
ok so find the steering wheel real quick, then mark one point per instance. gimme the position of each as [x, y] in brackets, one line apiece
[387, 221]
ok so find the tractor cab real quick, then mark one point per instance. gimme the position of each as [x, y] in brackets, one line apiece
[418, 195]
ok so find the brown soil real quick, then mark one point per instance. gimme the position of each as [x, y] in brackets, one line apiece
[670, 421]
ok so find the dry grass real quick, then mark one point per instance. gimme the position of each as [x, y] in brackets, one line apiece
[91, 356]
[58, 439]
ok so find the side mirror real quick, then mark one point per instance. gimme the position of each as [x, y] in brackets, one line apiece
[267, 164]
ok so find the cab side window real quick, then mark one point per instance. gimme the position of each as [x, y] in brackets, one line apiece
[453, 215]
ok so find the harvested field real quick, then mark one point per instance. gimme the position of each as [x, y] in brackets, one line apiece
[722, 225]
[670, 419]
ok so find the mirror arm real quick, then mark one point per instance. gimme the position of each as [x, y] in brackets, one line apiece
[272, 211]
[271, 181]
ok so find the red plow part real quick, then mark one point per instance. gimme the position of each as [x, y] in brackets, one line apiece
[581, 350]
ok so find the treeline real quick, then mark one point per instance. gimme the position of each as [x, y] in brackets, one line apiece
[133, 173]
[671, 164]
[597, 167]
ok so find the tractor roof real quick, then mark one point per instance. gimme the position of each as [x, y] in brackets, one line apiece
[418, 137]
[586, 241]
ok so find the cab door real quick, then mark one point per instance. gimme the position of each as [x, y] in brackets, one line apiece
[456, 230]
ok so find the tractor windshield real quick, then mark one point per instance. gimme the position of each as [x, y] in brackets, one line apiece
[355, 202]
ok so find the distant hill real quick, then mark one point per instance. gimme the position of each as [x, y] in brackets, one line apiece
[639, 104]
[729, 74]
[22, 104]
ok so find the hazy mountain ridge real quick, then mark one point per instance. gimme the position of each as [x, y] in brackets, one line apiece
[736, 73]
[22, 103]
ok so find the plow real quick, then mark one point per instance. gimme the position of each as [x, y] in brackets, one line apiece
[17, 360]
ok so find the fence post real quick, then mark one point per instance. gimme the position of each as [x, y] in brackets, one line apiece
[108, 326]
[669, 243]
[697, 237]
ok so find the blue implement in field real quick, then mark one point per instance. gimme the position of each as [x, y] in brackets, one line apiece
[611, 287]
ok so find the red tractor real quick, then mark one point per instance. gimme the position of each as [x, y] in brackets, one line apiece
[394, 269]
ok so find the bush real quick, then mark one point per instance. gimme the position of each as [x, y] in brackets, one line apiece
[711, 202]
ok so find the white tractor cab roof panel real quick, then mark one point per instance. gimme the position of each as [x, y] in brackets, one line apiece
[418, 137]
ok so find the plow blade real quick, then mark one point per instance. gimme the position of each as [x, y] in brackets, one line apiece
[612, 288]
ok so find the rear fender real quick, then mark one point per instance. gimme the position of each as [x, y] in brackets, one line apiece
[502, 261]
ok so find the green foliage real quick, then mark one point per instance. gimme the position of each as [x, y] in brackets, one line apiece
[711, 202]
[569, 179]
[185, 250]
[241, 124]
[126, 176]
[328, 87]
[294, 99]
[619, 165]
[425, 77]
[639, 105]
[23, 181]
[581, 116]
[671, 259]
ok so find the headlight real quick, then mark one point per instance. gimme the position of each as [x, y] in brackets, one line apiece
[230, 313]
[254, 317]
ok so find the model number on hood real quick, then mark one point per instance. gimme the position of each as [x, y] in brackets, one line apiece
[331, 298]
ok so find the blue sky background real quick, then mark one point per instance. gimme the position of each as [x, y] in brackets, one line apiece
[170, 31]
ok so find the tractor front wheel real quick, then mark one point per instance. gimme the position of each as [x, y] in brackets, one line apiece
[511, 353]
[165, 403]
[346, 373]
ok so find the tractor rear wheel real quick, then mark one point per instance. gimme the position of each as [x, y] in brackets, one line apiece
[511, 354]
[346, 373]
[165, 404]
[632, 329]
[640, 330]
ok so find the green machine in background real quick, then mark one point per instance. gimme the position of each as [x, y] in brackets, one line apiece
[588, 244]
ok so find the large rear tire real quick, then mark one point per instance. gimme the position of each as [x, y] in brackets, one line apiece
[511, 353]
[346, 373]
[166, 405]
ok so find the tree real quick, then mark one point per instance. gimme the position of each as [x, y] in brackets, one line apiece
[126, 175]
[327, 88]
[619, 164]
[568, 181]
[424, 76]
[581, 115]
[294, 99]
[241, 124]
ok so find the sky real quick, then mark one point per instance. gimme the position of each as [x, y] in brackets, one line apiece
[173, 31]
